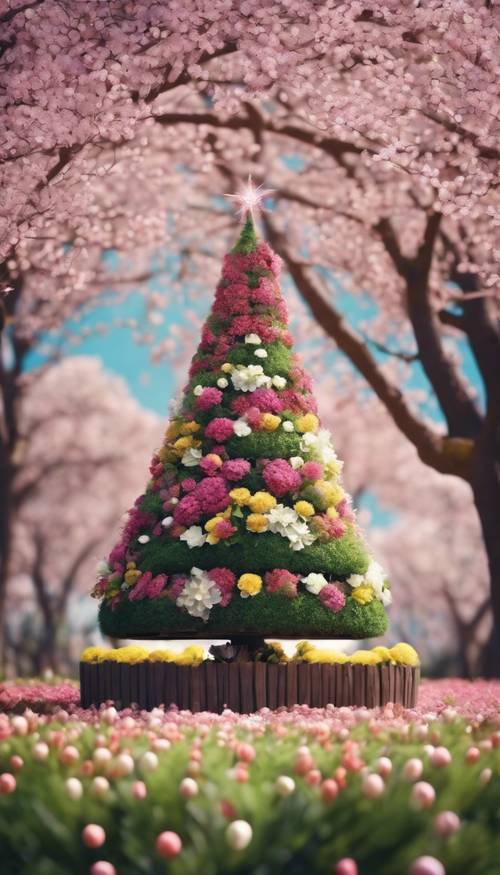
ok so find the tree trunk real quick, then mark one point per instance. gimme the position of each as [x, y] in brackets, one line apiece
[485, 482]
[5, 545]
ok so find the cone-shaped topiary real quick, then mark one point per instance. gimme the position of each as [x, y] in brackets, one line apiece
[244, 528]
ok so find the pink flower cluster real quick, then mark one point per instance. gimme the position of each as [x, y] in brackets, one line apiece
[223, 529]
[345, 510]
[332, 598]
[327, 528]
[298, 402]
[212, 495]
[265, 400]
[210, 464]
[225, 580]
[188, 511]
[235, 469]
[280, 477]
[282, 581]
[219, 429]
[312, 471]
[209, 397]
[148, 587]
[177, 584]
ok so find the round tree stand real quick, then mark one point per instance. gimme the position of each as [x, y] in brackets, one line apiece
[246, 686]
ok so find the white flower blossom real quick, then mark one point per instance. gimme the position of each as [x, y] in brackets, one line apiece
[167, 522]
[102, 568]
[386, 597]
[197, 390]
[241, 428]
[222, 383]
[144, 539]
[356, 580]
[286, 522]
[288, 425]
[260, 353]
[320, 444]
[248, 378]
[278, 382]
[253, 338]
[314, 583]
[199, 594]
[296, 462]
[194, 536]
[191, 457]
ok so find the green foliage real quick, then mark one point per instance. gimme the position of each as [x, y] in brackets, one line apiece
[273, 616]
[151, 503]
[339, 556]
[278, 359]
[248, 238]
[264, 445]
[40, 827]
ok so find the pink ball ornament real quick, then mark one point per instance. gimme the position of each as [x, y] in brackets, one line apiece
[7, 784]
[102, 867]
[139, 790]
[246, 752]
[16, 762]
[446, 823]
[329, 790]
[427, 866]
[69, 755]
[372, 786]
[440, 757]
[188, 788]
[423, 795]
[93, 835]
[313, 778]
[168, 844]
[412, 769]
[40, 751]
[384, 766]
[472, 755]
[485, 776]
[346, 866]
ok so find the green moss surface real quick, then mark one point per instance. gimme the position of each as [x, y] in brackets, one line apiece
[265, 445]
[264, 614]
[278, 359]
[247, 241]
[340, 557]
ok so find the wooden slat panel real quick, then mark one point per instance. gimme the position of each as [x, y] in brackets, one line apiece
[281, 685]
[247, 687]
[291, 684]
[304, 684]
[315, 672]
[233, 699]
[260, 685]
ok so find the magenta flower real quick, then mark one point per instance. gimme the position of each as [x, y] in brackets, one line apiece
[209, 397]
[139, 591]
[219, 429]
[345, 510]
[235, 469]
[280, 477]
[156, 585]
[224, 529]
[312, 471]
[266, 400]
[210, 464]
[211, 495]
[225, 580]
[282, 581]
[178, 582]
[188, 484]
[188, 511]
[332, 598]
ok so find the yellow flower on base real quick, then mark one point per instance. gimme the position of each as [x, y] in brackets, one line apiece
[257, 522]
[363, 595]
[193, 655]
[270, 422]
[330, 657]
[304, 508]
[91, 654]
[404, 654]
[249, 584]
[383, 652]
[261, 502]
[308, 422]
[365, 657]
[240, 496]
[132, 576]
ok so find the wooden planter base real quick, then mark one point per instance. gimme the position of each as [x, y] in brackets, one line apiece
[246, 686]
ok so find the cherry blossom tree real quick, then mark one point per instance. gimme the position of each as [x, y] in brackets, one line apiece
[374, 123]
[86, 447]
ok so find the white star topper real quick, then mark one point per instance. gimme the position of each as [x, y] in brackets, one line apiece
[250, 197]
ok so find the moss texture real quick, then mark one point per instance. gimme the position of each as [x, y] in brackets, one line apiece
[264, 445]
[339, 557]
[264, 614]
[248, 238]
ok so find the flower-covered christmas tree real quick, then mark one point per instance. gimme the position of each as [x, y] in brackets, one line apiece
[244, 528]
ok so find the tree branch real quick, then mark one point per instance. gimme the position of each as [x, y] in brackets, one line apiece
[429, 445]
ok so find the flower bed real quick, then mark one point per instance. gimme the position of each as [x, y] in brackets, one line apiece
[292, 791]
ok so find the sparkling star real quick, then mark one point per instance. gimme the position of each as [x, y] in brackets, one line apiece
[250, 197]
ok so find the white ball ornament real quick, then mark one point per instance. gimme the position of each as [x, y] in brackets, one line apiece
[40, 751]
[124, 765]
[148, 761]
[284, 785]
[19, 725]
[101, 756]
[239, 835]
[143, 539]
[167, 522]
[74, 789]
[100, 786]
[288, 425]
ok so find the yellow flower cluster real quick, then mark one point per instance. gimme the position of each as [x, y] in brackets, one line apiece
[249, 584]
[400, 654]
[211, 524]
[270, 422]
[363, 595]
[308, 422]
[193, 655]
[257, 522]
[331, 493]
[261, 502]
[304, 508]
[132, 574]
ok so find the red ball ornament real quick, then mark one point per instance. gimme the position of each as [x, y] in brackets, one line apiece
[93, 835]
[168, 844]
